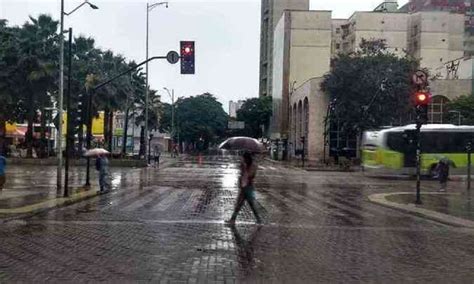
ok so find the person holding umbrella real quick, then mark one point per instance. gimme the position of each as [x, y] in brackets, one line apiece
[248, 171]
[102, 166]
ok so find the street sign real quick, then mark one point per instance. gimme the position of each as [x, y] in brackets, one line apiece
[172, 57]
[236, 125]
[420, 78]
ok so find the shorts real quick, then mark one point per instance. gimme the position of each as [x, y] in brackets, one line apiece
[249, 192]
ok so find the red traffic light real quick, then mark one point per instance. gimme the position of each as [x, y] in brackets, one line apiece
[187, 57]
[422, 98]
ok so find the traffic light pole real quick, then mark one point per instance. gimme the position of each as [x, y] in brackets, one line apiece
[418, 162]
[469, 163]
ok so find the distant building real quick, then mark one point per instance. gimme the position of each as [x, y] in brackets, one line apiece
[270, 15]
[234, 107]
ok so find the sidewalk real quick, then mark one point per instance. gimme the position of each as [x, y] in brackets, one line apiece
[32, 189]
[311, 167]
[454, 207]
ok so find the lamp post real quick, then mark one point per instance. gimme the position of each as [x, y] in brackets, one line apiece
[459, 115]
[148, 9]
[61, 87]
[171, 94]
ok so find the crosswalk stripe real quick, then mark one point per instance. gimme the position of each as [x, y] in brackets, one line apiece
[145, 199]
[168, 201]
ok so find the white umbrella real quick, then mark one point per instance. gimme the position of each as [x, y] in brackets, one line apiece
[96, 152]
[243, 144]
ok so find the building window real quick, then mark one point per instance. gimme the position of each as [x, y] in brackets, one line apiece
[338, 30]
[338, 45]
[437, 109]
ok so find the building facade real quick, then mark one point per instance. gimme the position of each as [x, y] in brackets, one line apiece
[270, 15]
[234, 107]
[305, 41]
[302, 50]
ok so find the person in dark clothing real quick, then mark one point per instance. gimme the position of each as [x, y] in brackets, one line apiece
[156, 156]
[102, 165]
[443, 173]
[3, 164]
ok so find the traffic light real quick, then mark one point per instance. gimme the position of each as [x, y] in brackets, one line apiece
[187, 57]
[422, 99]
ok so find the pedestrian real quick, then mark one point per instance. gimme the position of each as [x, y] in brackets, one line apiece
[248, 171]
[102, 165]
[156, 156]
[443, 173]
[175, 150]
[3, 164]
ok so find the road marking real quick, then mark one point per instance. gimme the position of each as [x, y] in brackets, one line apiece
[145, 199]
[168, 201]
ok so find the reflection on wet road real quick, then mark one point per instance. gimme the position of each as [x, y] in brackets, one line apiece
[167, 225]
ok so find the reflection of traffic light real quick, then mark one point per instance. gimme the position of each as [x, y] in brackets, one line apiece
[187, 57]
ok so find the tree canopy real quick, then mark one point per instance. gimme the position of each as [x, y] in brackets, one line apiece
[255, 112]
[465, 105]
[370, 88]
[197, 118]
[29, 65]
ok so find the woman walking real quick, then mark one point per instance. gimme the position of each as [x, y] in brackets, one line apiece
[248, 171]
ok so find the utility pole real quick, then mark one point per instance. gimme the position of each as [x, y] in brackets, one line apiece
[59, 144]
[69, 118]
[148, 9]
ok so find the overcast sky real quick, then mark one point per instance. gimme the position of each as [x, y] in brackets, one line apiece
[227, 34]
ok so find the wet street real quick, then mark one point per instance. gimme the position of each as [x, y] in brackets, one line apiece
[167, 225]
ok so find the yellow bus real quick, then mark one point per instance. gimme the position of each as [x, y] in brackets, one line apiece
[391, 151]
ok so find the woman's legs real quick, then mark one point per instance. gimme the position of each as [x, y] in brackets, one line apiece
[253, 206]
[238, 206]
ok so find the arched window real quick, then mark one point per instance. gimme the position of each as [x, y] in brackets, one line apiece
[299, 132]
[306, 122]
[437, 110]
[294, 125]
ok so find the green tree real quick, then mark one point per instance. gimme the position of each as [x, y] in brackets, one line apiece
[465, 105]
[255, 112]
[36, 72]
[369, 88]
[200, 118]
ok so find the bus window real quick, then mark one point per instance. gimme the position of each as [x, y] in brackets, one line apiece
[395, 141]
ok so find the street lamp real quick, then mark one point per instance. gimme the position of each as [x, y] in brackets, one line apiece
[459, 115]
[171, 94]
[61, 87]
[148, 9]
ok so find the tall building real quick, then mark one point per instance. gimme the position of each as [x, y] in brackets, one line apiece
[302, 50]
[270, 15]
[464, 7]
[234, 107]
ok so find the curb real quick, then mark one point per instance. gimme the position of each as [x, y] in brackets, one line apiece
[380, 199]
[44, 206]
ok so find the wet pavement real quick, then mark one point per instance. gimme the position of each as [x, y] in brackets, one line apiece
[167, 225]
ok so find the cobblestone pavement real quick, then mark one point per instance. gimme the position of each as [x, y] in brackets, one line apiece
[167, 225]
